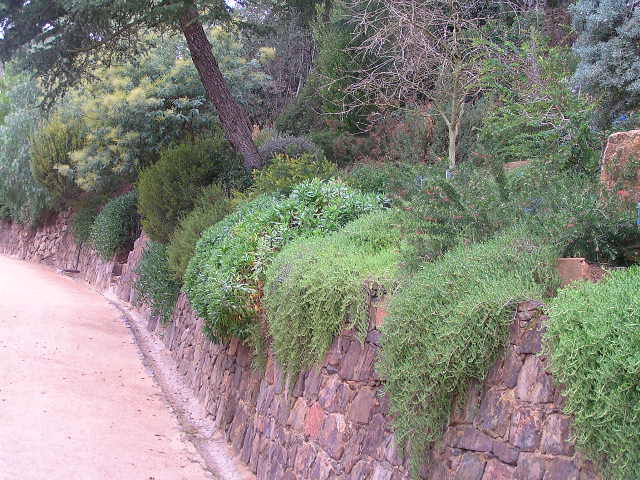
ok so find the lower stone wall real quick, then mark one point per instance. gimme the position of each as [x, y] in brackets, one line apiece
[333, 422]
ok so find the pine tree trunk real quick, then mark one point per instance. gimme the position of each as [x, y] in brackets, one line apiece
[234, 119]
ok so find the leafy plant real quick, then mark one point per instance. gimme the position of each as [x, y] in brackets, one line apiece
[225, 277]
[168, 189]
[287, 145]
[85, 215]
[155, 284]
[319, 285]
[285, 171]
[51, 147]
[593, 342]
[211, 207]
[116, 226]
[447, 324]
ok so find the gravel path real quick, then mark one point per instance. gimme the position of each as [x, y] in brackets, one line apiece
[76, 400]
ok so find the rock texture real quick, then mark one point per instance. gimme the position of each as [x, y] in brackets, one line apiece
[333, 422]
[620, 168]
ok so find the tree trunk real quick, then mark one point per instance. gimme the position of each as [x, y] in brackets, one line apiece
[234, 119]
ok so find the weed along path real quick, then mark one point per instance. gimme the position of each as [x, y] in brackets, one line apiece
[76, 401]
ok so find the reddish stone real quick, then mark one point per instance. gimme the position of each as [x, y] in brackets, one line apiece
[526, 429]
[381, 472]
[572, 269]
[362, 405]
[561, 469]
[335, 395]
[505, 452]
[468, 438]
[534, 385]
[467, 411]
[331, 435]
[312, 384]
[511, 368]
[351, 360]
[495, 412]
[496, 470]
[314, 420]
[556, 437]
[470, 467]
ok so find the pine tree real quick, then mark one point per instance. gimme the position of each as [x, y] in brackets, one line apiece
[607, 48]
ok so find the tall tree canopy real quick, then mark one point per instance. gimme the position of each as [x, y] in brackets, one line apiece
[63, 41]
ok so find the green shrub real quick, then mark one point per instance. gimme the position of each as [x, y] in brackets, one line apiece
[303, 113]
[211, 207]
[317, 286]
[155, 285]
[51, 146]
[116, 226]
[447, 325]
[84, 217]
[343, 148]
[593, 345]
[168, 189]
[284, 172]
[287, 145]
[225, 276]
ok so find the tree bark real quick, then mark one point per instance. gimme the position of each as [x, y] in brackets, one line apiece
[233, 117]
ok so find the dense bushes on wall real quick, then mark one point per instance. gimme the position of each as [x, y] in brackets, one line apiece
[116, 226]
[447, 324]
[286, 171]
[211, 207]
[317, 286]
[168, 189]
[225, 276]
[593, 342]
[155, 284]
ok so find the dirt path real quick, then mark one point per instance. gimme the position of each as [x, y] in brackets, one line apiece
[76, 402]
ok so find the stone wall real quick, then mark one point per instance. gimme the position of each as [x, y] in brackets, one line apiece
[333, 421]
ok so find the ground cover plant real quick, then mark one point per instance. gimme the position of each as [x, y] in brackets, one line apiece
[211, 207]
[225, 277]
[448, 324]
[593, 344]
[155, 285]
[116, 226]
[316, 286]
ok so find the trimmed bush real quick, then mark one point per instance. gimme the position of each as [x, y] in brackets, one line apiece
[316, 287]
[593, 344]
[155, 285]
[211, 207]
[225, 276]
[447, 325]
[51, 146]
[168, 189]
[116, 226]
[286, 171]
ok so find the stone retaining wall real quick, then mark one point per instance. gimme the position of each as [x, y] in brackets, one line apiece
[333, 421]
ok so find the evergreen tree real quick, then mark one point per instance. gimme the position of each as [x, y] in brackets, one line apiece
[607, 47]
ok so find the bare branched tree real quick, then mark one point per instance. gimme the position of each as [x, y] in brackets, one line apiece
[420, 51]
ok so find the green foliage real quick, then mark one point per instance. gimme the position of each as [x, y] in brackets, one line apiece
[211, 207]
[343, 148]
[51, 146]
[608, 34]
[155, 284]
[383, 178]
[285, 172]
[447, 325]
[280, 144]
[593, 342]
[85, 215]
[23, 199]
[303, 113]
[537, 116]
[225, 276]
[116, 226]
[168, 189]
[317, 286]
